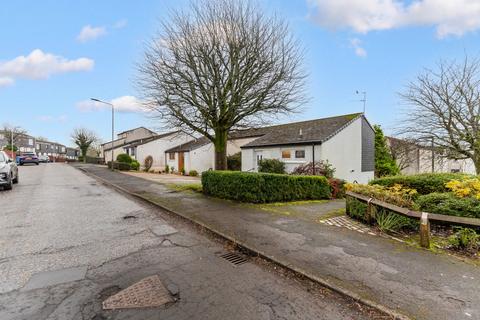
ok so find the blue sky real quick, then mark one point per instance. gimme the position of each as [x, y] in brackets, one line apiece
[49, 68]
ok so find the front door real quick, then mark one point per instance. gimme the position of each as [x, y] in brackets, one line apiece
[258, 158]
[181, 162]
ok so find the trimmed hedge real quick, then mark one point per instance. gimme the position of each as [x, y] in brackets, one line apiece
[424, 183]
[123, 157]
[449, 204]
[264, 187]
[122, 166]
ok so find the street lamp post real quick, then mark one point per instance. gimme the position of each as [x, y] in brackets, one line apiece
[113, 121]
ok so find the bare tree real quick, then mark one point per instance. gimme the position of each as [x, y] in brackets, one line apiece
[96, 148]
[221, 67]
[403, 151]
[11, 133]
[84, 139]
[445, 106]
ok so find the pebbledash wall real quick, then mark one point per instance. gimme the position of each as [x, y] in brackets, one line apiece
[343, 150]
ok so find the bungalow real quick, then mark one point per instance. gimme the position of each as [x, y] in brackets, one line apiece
[156, 146]
[199, 154]
[346, 142]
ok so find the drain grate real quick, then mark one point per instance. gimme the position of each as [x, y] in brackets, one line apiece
[234, 258]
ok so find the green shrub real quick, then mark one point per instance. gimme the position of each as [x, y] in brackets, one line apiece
[389, 221]
[271, 166]
[167, 168]
[356, 209]
[386, 220]
[147, 163]
[449, 204]
[80, 158]
[424, 183]
[125, 158]
[122, 166]
[465, 239]
[264, 187]
[193, 173]
[234, 162]
[135, 165]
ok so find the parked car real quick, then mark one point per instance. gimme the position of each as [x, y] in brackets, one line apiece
[28, 157]
[8, 171]
[43, 158]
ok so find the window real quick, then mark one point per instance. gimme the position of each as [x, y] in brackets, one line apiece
[286, 154]
[30, 142]
[38, 146]
[2, 158]
[171, 156]
[300, 154]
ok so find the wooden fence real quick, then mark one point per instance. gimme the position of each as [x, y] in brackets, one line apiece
[424, 217]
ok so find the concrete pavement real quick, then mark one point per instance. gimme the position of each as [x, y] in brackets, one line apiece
[67, 243]
[411, 281]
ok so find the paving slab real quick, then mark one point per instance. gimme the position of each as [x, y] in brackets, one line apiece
[50, 278]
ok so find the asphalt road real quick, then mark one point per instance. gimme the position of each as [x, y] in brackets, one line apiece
[67, 243]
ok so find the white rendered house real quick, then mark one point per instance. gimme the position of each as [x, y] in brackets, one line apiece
[347, 142]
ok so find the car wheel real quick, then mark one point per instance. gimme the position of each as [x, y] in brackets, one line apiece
[9, 186]
[16, 179]
[36, 163]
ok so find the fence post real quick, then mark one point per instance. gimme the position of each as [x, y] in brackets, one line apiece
[369, 216]
[424, 231]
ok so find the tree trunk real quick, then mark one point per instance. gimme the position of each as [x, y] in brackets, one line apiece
[84, 154]
[220, 144]
[477, 165]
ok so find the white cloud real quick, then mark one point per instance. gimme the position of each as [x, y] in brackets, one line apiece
[52, 119]
[122, 104]
[6, 81]
[120, 24]
[356, 44]
[91, 33]
[448, 17]
[40, 65]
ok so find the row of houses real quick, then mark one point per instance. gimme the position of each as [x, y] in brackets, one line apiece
[28, 143]
[413, 157]
[346, 142]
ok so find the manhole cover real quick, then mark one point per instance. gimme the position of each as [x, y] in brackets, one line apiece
[148, 292]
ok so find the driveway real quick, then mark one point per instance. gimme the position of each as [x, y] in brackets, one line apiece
[165, 178]
[67, 243]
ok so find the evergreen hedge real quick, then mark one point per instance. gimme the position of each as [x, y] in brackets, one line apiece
[264, 187]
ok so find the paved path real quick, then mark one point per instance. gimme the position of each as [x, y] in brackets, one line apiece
[415, 282]
[65, 246]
